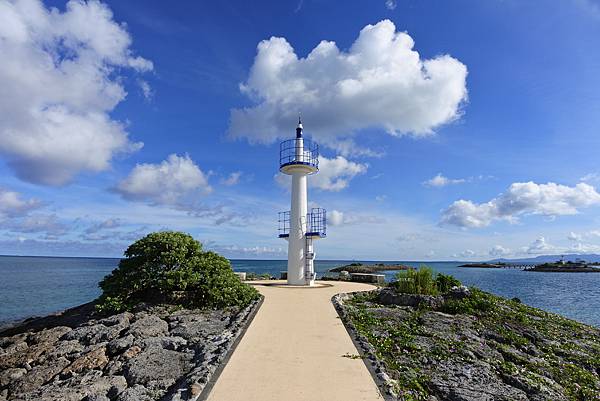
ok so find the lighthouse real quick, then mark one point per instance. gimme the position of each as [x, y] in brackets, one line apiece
[299, 157]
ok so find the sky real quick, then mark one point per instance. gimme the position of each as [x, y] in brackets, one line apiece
[448, 130]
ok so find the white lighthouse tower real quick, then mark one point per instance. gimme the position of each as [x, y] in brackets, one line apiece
[299, 158]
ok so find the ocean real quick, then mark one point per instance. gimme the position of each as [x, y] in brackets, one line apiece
[37, 286]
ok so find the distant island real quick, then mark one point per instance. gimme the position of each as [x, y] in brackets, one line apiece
[485, 265]
[363, 268]
[565, 267]
[588, 257]
[561, 266]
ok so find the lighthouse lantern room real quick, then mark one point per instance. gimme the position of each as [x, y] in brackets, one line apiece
[299, 157]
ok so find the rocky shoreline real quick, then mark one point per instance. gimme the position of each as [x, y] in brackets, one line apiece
[470, 347]
[152, 353]
[362, 268]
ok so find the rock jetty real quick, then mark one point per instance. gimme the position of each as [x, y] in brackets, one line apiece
[154, 353]
[362, 268]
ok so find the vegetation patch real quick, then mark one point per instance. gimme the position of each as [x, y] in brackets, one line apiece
[171, 267]
[476, 344]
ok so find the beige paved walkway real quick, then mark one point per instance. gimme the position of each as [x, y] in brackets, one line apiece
[293, 351]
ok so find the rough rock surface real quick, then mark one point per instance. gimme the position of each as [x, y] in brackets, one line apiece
[472, 347]
[156, 353]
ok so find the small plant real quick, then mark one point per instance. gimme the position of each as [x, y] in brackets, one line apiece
[258, 276]
[445, 282]
[475, 304]
[351, 356]
[171, 267]
[424, 282]
[416, 281]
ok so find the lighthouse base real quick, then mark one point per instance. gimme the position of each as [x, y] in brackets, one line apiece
[304, 282]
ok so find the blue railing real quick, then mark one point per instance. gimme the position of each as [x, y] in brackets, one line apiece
[284, 224]
[289, 153]
[316, 223]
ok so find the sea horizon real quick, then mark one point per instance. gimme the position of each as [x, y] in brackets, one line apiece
[38, 286]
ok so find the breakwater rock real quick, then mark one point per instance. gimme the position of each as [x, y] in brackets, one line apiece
[362, 268]
[154, 353]
[471, 347]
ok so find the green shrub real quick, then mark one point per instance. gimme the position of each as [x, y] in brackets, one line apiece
[477, 302]
[258, 276]
[424, 282]
[171, 267]
[445, 282]
[413, 281]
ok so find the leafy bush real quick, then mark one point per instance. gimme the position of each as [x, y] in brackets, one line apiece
[445, 282]
[476, 303]
[424, 281]
[258, 276]
[171, 267]
[413, 281]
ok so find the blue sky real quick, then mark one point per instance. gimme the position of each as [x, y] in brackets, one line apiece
[479, 141]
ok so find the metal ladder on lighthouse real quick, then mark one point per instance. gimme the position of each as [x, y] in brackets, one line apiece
[309, 255]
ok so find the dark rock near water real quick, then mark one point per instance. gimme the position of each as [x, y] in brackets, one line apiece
[156, 368]
[118, 345]
[148, 326]
[388, 296]
[154, 353]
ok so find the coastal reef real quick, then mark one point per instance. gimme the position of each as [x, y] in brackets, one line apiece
[468, 345]
[152, 353]
[362, 268]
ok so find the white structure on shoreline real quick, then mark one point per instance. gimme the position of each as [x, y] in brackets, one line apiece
[299, 158]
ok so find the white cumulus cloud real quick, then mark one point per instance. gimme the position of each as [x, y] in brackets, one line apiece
[440, 181]
[467, 253]
[167, 183]
[338, 218]
[499, 251]
[522, 198]
[232, 179]
[540, 246]
[334, 174]
[58, 85]
[13, 205]
[335, 218]
[379, 82]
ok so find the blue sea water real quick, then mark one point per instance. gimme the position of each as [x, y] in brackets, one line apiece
[37, 286]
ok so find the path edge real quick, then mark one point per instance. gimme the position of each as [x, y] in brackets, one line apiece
[217, 373]
[366, 350]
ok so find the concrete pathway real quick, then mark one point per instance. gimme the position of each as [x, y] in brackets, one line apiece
[293, 351]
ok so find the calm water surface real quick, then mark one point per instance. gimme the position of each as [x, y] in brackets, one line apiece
[37, 286]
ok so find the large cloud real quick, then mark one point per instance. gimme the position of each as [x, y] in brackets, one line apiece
[179, 184]
[58, 84]
[170, 182]
[522, 198]
[379, 82]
